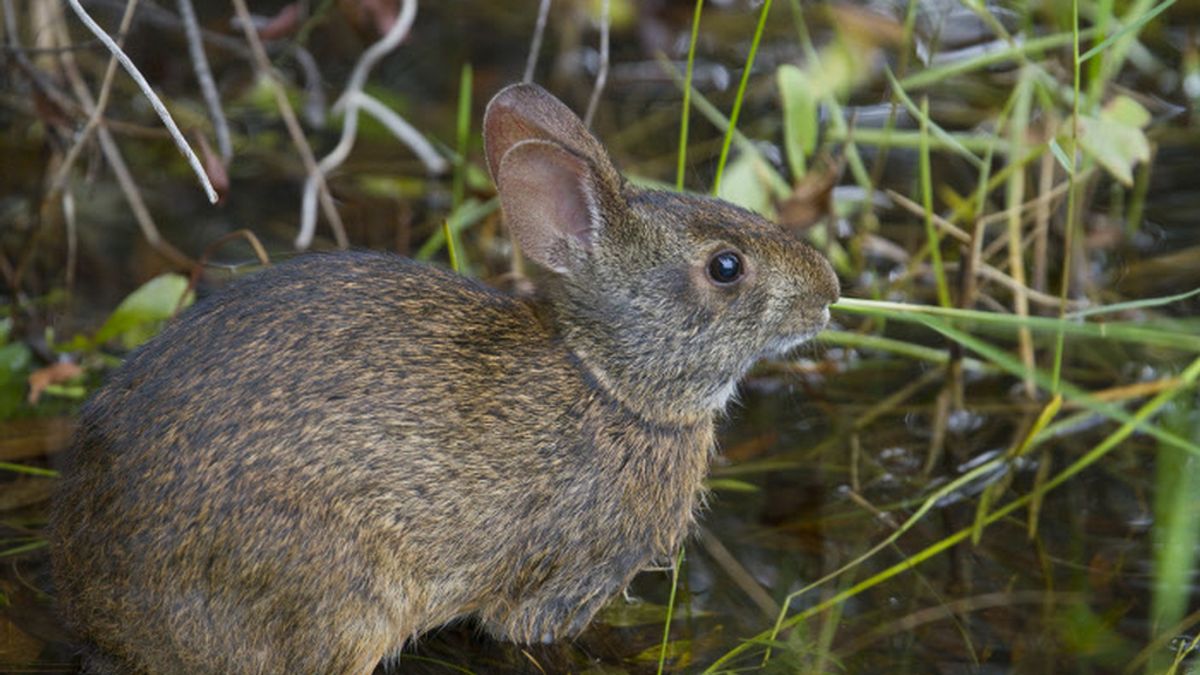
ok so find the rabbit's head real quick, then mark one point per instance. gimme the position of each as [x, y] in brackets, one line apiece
[667, 298]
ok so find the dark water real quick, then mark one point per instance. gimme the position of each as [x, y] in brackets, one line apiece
[818, 464]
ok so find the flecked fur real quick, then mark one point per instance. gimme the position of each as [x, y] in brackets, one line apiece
[327, 459]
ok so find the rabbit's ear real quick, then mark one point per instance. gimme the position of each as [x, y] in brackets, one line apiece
[551, 203]
[523, 112]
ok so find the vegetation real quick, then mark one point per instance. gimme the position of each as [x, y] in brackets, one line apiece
[991, 458]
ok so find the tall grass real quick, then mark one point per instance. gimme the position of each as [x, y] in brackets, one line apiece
[1035, 124]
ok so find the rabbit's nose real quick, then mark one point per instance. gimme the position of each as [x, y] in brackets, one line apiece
[828, 288]
[821, 282]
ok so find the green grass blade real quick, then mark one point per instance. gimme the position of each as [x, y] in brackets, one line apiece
[472, 211]
[1070, 392]
[687, 98]
[1118, 330]
[24, 548]
[937, 74]
[947, 139]
[28, 470]
[931, 234]
[462, 135]
[899, 348]
[1145, 303]
[718, 120]
[741, 95]
[1132, 27]
[666, 639]
[451, 248]
[1177, 500]
[1150, 408]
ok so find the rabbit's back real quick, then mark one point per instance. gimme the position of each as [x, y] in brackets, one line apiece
[351, 438]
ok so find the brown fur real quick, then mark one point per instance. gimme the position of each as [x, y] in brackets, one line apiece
[308, 470]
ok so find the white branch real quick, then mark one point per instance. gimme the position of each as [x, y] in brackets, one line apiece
[398, 31]
[352, 100]
[403, 131]
[208, 88]
[602, 70]
[535, 44]
[155, 102]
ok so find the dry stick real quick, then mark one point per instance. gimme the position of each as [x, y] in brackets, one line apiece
[314, 108]
[208, 88]
[992, 274]
[263, 65]
[97, 114]
[982, 269]
[112, 154]
[68, 207]
[736, 571]
[1041, 221]
[352, 100]
[602, 71]
[402, 130]
[155, 102]
[949, 610]
[48, 88]
[535, 44]
[1059, 191]
[375, 53]
[314, 95]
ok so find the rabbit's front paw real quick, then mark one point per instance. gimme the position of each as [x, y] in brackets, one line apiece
[545, 621]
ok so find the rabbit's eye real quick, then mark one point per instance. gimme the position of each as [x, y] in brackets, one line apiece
[725, 267]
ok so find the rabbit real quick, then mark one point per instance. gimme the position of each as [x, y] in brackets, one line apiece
[309, 469]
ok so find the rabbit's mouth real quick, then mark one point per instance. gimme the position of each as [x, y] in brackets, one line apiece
[782, 346]
[807, 329]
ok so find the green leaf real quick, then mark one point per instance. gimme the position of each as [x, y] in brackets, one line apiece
[800, 117]
[1126, 111]
[731, 485]
[1115, 138]
[622, 614]
[140, 316]
[747, 184]
[14, 359]
[76, 392]
[678, 650]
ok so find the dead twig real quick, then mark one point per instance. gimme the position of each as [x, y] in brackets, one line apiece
[208, 88]
[982, 269]
[535, 43]
[602, 69]
[155, 102]
[112, 152]
[353, 100]
[263, 65]
[97, 114]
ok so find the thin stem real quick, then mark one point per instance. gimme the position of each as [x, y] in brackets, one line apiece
[602, 70]
[263, 65]
[148, 92]
[741, 95]
[687, 97]
[935, 243]
[208, 88]
[97, 113]
[662, 653]
[535, 44]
